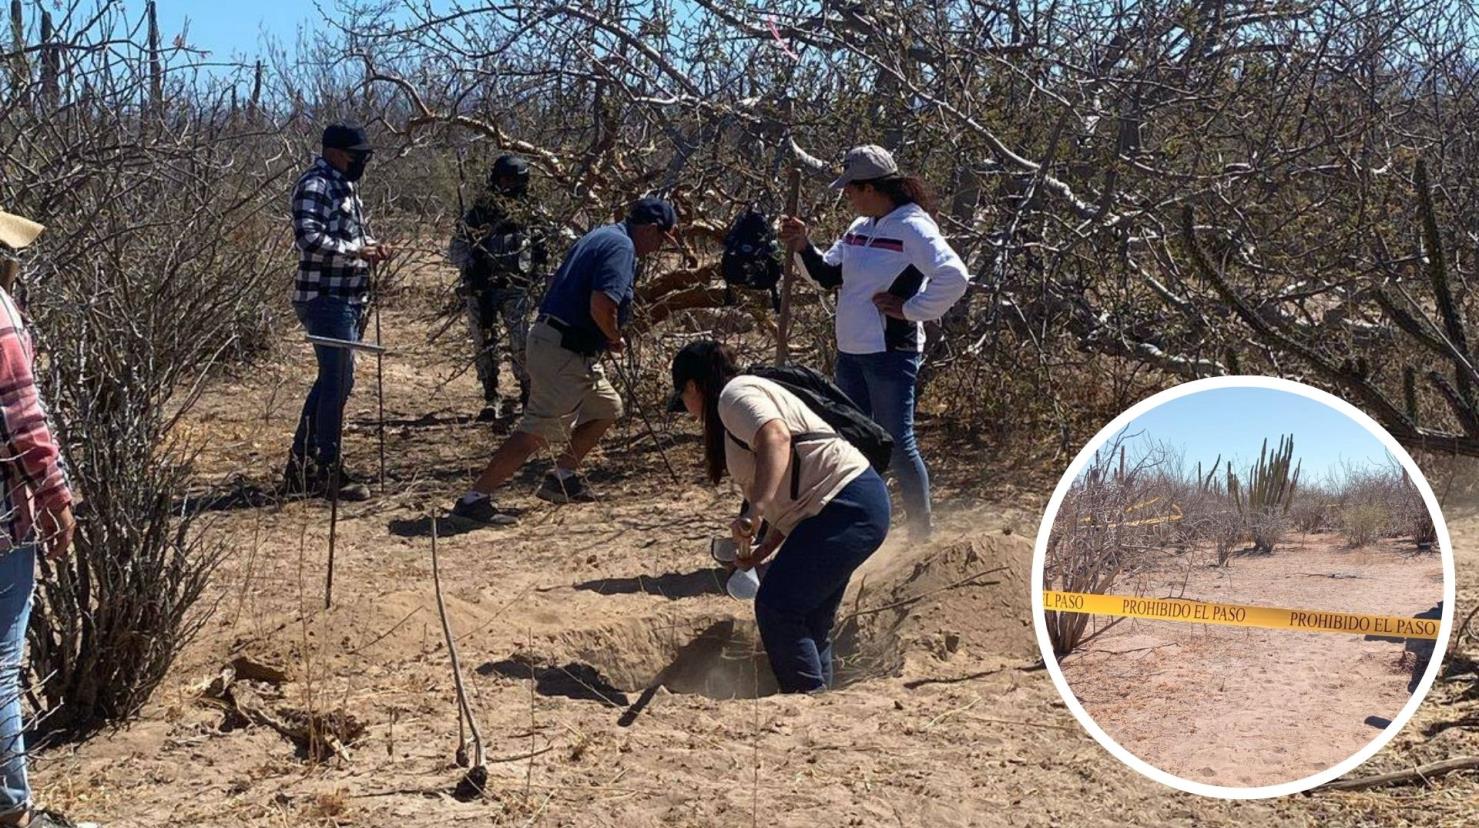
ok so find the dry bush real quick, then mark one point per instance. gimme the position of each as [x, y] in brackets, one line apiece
[1216, 523]
[1268, 529]
[1313, 511]
[1363, 523]
[1382, 502]
[162, 248]
[1208, 513]
[1097, 537]
[1411, 518]
[1225, 530]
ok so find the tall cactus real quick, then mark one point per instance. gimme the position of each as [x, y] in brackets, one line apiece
[51, 61]
[1208, 482]
[156, 66]
[20, 70]
[1269, 493]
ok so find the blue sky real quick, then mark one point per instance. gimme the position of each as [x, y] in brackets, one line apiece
[1233, 422]
[230, 28]
[235, 28]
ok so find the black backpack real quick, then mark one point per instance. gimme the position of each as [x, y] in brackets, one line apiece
[752, 257]
[829, 402]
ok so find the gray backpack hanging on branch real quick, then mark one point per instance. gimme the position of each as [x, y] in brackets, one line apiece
[752, 257]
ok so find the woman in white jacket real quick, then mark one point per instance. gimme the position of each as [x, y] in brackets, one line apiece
[893, 271]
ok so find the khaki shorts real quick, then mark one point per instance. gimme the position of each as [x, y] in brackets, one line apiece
[565, 388]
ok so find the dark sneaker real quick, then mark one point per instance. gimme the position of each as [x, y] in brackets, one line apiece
[491, 411]
[352, 487]
[300, 476]
[478, 514]
[51, 819]
[572, 490]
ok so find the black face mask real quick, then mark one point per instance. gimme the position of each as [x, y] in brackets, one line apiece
[356, 167]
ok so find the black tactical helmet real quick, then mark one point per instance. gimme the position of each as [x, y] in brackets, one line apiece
[509, 166]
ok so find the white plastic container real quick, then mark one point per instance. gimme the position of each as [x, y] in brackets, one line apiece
[743, 584]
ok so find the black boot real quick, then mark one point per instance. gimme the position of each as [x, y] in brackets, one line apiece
[300, 476]
[508, 409]
[352, 487]
[490, 410]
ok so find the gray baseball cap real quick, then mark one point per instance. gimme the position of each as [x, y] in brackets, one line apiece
[866, 163]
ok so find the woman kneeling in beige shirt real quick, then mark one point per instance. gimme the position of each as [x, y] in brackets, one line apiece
[828, 509]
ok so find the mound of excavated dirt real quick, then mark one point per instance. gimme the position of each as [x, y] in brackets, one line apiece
[923, 602]
[933, 600]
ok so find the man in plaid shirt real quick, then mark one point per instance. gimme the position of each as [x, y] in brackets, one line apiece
[37, 511]
[335, 252]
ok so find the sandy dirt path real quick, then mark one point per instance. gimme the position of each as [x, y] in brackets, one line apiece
[1246, 707]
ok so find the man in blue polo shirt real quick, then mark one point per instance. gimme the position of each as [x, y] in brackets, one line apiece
[588, 303]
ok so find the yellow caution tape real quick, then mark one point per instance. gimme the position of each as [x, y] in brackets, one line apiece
[1176, 514]
[1240, 615]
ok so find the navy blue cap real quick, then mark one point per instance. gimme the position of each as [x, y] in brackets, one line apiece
[653, 211]
[346, 137]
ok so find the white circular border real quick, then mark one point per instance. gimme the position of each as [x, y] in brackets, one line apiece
[1221, 791]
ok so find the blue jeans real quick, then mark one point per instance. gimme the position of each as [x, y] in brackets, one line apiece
[798, 598]
[321, 425]
[17, 580]
[882, 384]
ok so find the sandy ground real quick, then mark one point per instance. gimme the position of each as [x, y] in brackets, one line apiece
[1247, 707]
[563, 621]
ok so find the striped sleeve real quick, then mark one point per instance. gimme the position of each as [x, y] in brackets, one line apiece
[24, 432]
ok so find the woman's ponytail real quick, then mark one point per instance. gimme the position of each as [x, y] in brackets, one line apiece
[906, 189]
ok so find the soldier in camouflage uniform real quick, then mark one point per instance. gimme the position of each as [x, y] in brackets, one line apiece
[500, 249]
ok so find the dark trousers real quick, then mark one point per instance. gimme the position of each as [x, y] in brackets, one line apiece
[320, 426]
[798, 599]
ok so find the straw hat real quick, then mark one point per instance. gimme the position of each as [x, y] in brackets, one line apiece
[17, 233]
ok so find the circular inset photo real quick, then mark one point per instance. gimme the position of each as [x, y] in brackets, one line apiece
[1243, 587]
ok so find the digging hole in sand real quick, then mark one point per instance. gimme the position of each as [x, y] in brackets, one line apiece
[723, 660]
[970, 595]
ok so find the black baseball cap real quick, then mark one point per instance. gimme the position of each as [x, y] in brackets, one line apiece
[516, 166]
[653, 211]
[347, 137]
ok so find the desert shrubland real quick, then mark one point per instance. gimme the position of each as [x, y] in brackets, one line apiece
[1137, 203]
[1104, 531]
